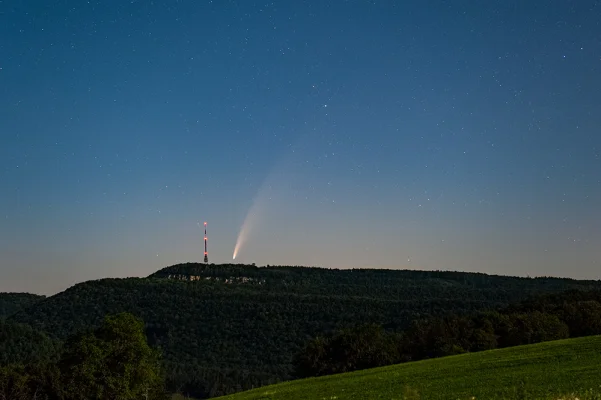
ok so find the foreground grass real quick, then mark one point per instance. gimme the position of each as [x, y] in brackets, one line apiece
[564, 369]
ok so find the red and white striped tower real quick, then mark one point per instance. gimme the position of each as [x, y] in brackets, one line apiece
[206, 253]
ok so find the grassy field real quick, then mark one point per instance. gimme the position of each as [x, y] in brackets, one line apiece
[565, 369]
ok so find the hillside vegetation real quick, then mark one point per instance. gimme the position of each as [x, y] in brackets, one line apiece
[10, 303]
[226, 328]
[21, 344]
[544, 318]
[111, 361]
[550, 370]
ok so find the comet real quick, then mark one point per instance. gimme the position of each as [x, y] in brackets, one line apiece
[278, 178]
[258, 209]
[251, 220]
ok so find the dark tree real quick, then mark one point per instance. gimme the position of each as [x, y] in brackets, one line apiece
[112, 362]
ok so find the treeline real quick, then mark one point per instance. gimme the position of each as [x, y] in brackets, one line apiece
[218, 338]
[551, 317]
[112, 362]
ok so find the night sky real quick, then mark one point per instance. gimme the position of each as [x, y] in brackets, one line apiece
[453, 135]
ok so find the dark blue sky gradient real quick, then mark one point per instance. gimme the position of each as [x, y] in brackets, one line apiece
[431, 135]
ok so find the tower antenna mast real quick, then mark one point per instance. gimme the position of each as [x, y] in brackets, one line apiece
[206, 252]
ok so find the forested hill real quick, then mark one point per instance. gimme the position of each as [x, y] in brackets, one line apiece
[379, 283]
[10, 303]
[225, 328]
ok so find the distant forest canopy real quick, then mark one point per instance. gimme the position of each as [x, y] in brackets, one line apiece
[226, 328]
[10, 303]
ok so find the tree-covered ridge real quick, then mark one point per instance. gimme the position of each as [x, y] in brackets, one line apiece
[380, 283]
[224, 335]
[299, 273]
[10, 303]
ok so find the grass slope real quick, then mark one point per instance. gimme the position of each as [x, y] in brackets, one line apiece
[550, 370]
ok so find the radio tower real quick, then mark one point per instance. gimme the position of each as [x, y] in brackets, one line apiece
[206, 252]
